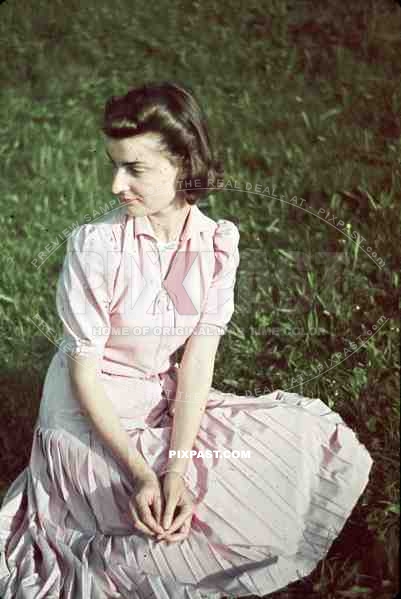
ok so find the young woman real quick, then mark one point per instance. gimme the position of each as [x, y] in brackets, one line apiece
[103, 509]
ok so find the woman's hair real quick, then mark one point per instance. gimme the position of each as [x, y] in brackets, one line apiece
[171, 111]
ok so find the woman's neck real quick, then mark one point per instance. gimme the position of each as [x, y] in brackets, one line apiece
[169, 227]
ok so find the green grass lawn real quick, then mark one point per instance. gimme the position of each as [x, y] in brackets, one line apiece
[303, 99]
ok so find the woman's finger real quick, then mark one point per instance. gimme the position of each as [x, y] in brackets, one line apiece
[169, 511]
[157, 508]
[186, 512]
[147, 518]
[143, 528]
[139, 524]
[181, 534]
[185, 528]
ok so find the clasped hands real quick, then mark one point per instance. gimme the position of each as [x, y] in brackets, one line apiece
[154, 503]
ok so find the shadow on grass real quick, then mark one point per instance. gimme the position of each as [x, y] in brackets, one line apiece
[20, 393]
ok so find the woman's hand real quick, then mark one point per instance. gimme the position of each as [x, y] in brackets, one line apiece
[176, 496]
[147, 493]
[171, 408]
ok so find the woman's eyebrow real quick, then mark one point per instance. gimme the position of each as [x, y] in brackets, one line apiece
[136, 162]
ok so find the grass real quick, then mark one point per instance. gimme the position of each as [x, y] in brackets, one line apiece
[302, 98]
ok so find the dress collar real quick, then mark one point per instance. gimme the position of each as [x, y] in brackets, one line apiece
[195, 222]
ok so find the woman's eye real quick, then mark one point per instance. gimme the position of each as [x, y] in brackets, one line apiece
[134, 170]
[130, 169]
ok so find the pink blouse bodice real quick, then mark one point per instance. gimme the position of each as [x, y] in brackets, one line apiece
[132, 303]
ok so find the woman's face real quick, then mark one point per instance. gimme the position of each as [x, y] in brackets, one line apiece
[143, 175]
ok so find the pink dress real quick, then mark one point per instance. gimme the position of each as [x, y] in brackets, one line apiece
[260, 522]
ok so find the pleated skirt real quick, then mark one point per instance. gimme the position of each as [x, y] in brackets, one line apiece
[265, 513]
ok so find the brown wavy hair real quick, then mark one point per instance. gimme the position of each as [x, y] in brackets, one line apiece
[170, 110]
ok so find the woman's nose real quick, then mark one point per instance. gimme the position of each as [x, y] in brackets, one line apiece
[120, 182]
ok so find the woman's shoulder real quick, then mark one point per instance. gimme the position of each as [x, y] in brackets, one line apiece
[104, 231]
[219, 229]
[226, 234]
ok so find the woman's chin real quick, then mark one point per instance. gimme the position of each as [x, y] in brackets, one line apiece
[135, 206]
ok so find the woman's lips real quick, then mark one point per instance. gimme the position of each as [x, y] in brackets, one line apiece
[129, 200]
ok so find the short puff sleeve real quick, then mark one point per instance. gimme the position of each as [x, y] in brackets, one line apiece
[218, 306]
[83, 293]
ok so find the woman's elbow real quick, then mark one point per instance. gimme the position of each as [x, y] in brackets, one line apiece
[201, 351]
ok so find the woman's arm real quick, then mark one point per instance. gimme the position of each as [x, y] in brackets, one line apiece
[194, 380]
[84, 293]
[196, 373]
[91, 395]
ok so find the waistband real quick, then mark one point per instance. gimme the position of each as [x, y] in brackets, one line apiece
[147, 375]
